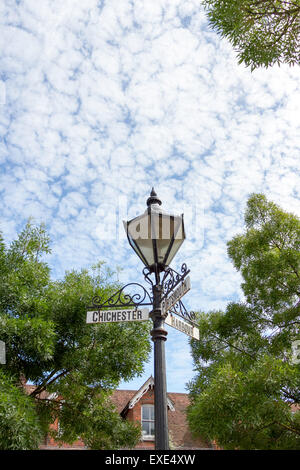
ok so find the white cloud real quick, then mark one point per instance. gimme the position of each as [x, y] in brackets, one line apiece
[105, 100]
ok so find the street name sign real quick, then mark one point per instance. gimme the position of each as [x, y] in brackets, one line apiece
[182, 325]
[2, 353]
[179, 292]
[112, 316]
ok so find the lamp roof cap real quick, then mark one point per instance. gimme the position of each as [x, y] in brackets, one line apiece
[153, 199]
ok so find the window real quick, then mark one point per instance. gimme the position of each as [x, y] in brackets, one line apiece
[148, 421]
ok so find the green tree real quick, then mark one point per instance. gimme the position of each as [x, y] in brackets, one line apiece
[246, 394]
[263, 32]
[19, 426]
[43, 323]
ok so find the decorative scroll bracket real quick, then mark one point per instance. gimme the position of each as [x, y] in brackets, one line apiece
[120, 300]
[180, 310]
[172, 278]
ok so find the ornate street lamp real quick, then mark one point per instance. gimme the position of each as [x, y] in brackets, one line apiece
[156, 236]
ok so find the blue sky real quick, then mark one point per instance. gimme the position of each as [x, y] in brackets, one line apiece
[100, 101]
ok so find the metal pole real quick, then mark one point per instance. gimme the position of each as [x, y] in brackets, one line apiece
[159, 336]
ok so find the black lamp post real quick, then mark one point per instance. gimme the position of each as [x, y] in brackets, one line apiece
[156, 236]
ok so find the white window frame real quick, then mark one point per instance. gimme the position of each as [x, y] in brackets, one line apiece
[147, 437]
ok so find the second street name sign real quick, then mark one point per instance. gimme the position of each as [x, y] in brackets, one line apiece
[2, 353]
[179, 292]
[182, 325]
[111, 316]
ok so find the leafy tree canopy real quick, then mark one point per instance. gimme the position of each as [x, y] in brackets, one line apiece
[263, 32]
[246, 394]
[43, 324]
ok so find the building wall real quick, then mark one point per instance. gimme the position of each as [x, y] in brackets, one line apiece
[50, 444]
[179, 433]
[180, 436]
[135, 414]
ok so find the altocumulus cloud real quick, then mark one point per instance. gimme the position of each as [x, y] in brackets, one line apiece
[101, 100]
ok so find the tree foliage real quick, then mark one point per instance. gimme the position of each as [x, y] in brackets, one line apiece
[263, 32]
[19, 427]
[43, 324]
[246, 394]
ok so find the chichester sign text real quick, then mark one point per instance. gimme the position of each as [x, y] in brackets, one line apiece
[112, 316]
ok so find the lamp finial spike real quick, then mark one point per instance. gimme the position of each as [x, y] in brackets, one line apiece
[153, 199]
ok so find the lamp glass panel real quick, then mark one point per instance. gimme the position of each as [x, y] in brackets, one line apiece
[175, 247]
[156, 236]
[146, 247]
[140, 240]
[179, 237]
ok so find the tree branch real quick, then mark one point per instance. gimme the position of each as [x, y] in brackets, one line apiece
[45, 384]
[297, 431]
[232, 346]
[42, 386]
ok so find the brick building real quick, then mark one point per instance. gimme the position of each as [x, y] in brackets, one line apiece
[138, 406]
